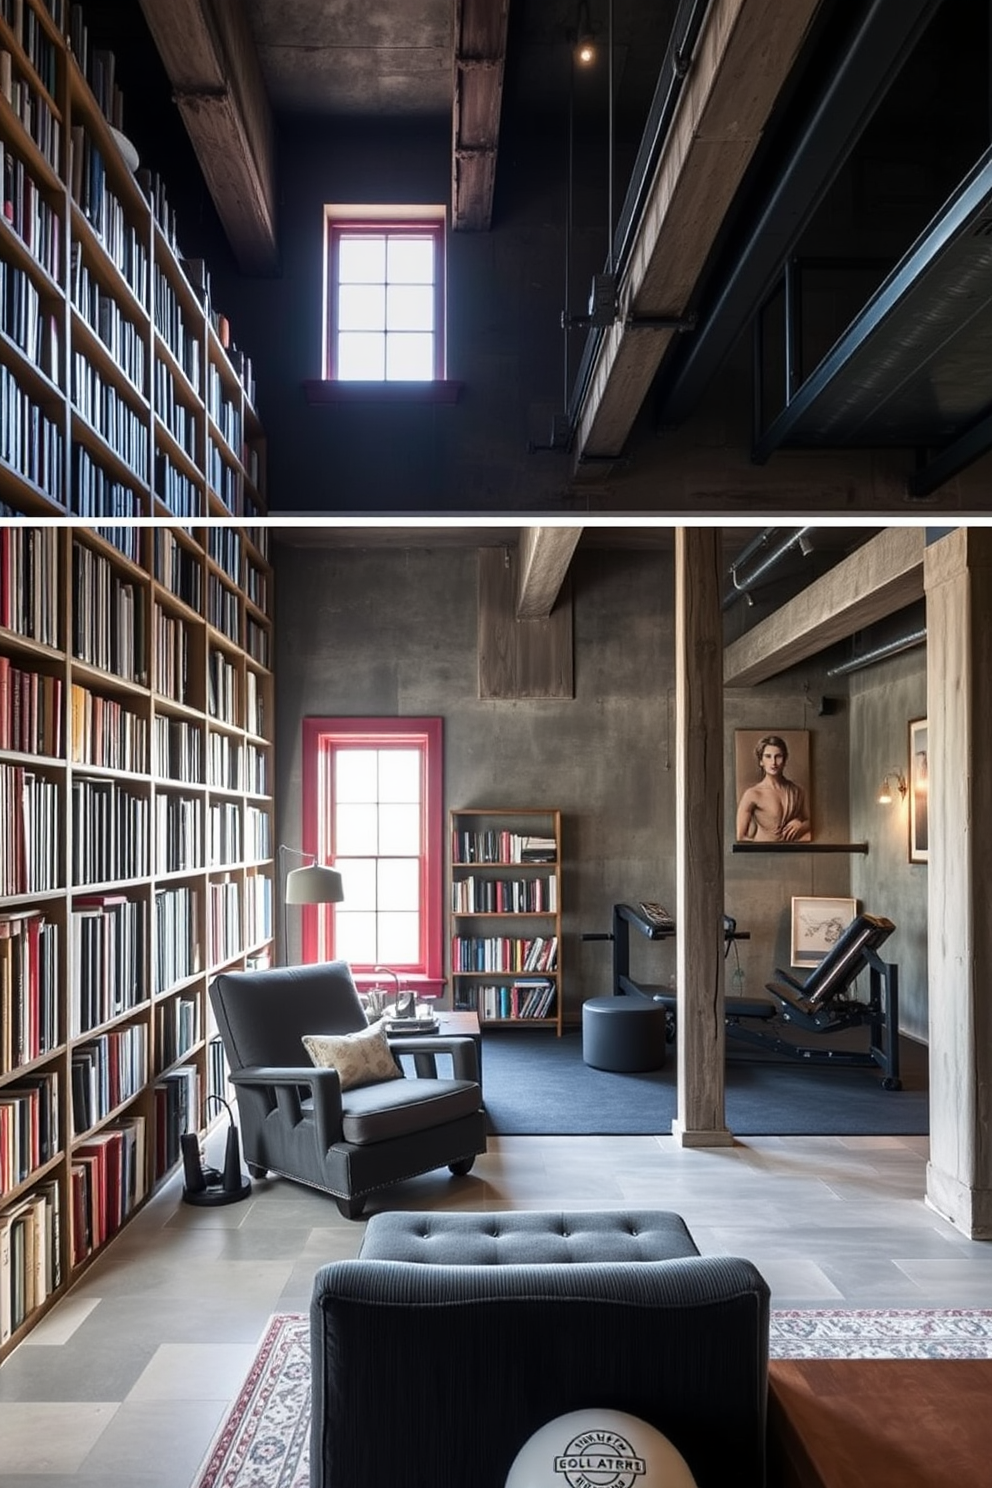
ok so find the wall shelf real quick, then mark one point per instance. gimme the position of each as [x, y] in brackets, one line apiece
[800, 847]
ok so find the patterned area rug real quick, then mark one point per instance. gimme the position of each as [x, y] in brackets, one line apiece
[264, 1443]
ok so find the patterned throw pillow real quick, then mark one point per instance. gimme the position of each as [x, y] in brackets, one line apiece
[362, 1058]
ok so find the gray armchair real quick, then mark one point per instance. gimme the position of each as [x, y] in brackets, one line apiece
[295, 1118]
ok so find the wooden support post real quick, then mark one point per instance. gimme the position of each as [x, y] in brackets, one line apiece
[701, 1120]
[958, 577]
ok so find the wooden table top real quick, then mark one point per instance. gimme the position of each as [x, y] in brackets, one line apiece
[872, 1423]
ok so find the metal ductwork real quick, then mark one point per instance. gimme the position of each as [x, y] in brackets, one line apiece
[880, 653]
[799, 538]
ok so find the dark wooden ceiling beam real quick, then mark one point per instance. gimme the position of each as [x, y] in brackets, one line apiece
[209, 55]
[480, 56]
[736, 75]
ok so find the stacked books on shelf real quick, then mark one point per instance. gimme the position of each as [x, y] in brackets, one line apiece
[524, 997]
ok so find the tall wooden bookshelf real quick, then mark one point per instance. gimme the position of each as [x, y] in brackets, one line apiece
[136, 694]
[505, 915]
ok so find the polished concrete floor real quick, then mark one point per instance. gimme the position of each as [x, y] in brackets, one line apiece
[126, 1381]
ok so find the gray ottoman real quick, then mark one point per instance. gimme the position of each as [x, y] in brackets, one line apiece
[623, 1034]
[527, 1237]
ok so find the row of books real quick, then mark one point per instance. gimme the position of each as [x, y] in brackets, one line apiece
[178, 833]
[178, 1109]
[30, 710]
[29, 1127]
[496, 845]
[33, 108]
[104, 408]
[31, 585]
[109, 1179]
[224, 921]
[95, 492]
[26, 321]
[177, 1029]
[28, 214]
[504, 953]
[179, 417]
[223, 608]
[178, 749]
[524, 998]
[170, 322]
[31, 443]
[178, 568]
[29, 988]
[109, 943]
[171, 639]
[31, 36]
[30, 1254]
[105, 732]
[124, 340]
[107, 1071]
[177, 936]
[224, 840]
[258, 908]
[504, 896]
[30, 832]
[108, 617]
[110, 832]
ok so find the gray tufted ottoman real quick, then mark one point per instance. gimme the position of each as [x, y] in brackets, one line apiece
[527, 1238]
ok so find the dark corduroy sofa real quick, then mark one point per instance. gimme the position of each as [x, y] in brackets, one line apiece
[455, 1336]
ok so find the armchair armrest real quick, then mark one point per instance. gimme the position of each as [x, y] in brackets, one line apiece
[463, 1051]
[324, 1086]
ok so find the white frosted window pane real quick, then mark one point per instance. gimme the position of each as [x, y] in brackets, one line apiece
[356, 774]
[358, 881]
[399, 830]
[410, 261]
[355, 830]
[362, 259]
[410, 357]
[355, 938]
[362, 307]
[399, 775]
[399, 939]
[361, 356]
[399, 883]
[409, 308]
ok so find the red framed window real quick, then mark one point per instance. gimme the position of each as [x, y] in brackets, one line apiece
[372, 807]
[385, 299]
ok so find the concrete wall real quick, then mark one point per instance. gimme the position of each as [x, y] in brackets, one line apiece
[883, 700]
[393, 631]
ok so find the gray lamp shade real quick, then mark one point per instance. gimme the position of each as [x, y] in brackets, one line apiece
[316, 884]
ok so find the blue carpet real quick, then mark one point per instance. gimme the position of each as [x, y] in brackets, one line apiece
[537, 1085]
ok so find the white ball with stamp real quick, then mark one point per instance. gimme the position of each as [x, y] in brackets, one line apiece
[599, 1449]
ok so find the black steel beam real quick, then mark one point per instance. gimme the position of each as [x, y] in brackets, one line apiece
[879, 49]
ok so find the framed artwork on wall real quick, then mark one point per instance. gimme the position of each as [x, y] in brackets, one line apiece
[773, 790]
[817, 925]
[919, 797]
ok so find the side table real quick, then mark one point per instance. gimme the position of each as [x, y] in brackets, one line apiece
[862, 1423]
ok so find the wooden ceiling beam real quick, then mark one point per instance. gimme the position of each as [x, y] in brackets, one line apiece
[881, 577]
[480, 56]
[543, 559]
[210, 58]
[743, 57]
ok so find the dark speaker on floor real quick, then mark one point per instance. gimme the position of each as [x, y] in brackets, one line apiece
[206, 1186]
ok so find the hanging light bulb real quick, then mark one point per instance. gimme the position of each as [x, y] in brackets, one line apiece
[585, 39]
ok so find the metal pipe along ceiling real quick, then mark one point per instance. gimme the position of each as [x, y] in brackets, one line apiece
[800, 537]
[880, 653]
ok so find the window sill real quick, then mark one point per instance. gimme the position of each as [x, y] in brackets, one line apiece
[328, 391]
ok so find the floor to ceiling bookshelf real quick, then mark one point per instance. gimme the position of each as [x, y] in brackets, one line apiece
[136, 692]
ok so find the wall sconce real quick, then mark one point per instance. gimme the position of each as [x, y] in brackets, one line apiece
[885, 795]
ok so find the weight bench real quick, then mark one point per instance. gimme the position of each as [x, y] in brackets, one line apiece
[819, 1004]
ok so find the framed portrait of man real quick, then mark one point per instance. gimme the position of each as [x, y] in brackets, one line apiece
[772, 786]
